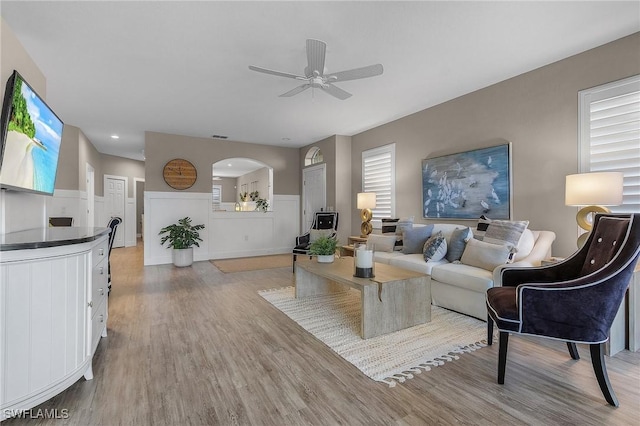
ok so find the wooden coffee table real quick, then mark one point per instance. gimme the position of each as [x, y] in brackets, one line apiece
[395, 299]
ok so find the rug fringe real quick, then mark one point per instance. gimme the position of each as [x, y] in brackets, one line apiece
[437, 361]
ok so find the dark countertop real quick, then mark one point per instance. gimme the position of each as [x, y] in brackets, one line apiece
[49, 237]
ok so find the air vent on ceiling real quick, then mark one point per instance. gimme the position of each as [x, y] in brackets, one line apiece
[219, 137]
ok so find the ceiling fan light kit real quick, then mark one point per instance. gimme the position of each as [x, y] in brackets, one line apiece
[314, 73]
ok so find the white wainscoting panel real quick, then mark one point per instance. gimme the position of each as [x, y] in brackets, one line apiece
[66, 203]
[21, 210]
[165, 208]
[130, 222]
[227, 234]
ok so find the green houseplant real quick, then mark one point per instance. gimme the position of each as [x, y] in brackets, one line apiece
[181, 236]
[262, 205]
[325, 248]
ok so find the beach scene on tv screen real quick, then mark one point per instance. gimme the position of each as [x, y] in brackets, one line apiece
[33, 142]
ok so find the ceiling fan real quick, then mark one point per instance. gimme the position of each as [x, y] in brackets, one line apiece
[314, 73]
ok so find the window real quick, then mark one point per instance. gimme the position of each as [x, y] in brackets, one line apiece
[609, 135]
[379, 176]
[313, 156]
[216, 196]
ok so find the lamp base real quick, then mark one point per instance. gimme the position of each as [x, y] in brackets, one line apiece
[584, 217]
[366, 227]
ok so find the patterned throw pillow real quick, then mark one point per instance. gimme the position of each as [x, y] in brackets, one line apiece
[396, 227]
[505, 232]
[389, 225]
[481, 229]
[435, 248]
[457, 243]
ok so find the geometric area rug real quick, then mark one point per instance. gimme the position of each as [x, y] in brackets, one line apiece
[391, 358]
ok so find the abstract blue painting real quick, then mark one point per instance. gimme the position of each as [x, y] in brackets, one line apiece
[468, 184]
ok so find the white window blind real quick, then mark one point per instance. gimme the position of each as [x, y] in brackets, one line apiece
[610, 135]
[379, 176]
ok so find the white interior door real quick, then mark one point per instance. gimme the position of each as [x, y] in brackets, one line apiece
[114, 200]
[314, 193]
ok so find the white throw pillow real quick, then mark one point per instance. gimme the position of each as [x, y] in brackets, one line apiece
[485, 255]
[527, 241]
[381, 242]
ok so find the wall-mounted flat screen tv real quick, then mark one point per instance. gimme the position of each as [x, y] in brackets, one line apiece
[31, 136]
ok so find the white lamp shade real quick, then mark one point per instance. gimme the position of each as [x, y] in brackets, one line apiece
[366, 200]
[597, 188]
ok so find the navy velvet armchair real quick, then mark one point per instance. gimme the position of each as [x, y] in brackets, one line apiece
[575, 300]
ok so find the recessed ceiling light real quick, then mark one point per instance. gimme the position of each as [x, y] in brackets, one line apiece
[229, 165]
[115, 137]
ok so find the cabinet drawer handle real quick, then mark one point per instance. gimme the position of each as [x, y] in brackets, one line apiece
[101, 252]
[101, 318]
[90, 304]
[102, 270]
[101, 291]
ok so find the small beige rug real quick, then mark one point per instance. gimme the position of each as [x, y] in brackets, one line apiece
[391, 358]
[253, 263]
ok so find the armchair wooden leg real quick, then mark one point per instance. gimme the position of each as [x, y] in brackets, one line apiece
[573, 350]
[293, 266]
[502, 355]
[597, 359]
[489, 330]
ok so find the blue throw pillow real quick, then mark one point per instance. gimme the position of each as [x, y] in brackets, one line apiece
[457, 243]
[414, 239]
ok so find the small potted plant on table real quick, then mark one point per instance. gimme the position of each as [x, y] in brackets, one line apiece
[182, 236]
[324, 248]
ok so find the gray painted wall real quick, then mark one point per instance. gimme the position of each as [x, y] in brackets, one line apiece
[537, 112]
[159, 148]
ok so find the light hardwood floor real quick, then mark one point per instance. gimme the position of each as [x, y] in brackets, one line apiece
[196, 346]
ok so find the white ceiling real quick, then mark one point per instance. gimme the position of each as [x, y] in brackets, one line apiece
[182, 67]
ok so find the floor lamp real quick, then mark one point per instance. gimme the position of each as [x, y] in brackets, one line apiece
[593, 191]
[366, 201]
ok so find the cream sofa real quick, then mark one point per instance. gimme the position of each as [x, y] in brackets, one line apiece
[461, 287]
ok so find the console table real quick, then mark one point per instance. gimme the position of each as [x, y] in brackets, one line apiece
[53, 310]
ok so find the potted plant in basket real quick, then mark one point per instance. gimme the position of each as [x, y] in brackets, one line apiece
[324, 248]
[182, 236]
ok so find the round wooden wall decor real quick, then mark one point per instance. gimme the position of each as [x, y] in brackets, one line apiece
[179, 174]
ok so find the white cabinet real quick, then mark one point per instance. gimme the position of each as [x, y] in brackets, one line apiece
[53, 310]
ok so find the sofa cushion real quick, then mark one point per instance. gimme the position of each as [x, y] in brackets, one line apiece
[385, 256]
[435, 248]
[485, 255]
[381, 242]
[465, 276]
[414, 239]
[457, 243]
[414, 262]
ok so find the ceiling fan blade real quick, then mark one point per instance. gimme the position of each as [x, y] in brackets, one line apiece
[356, 73]
[295, 91]
[316, 50]
[278, 73]
[335, 91]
